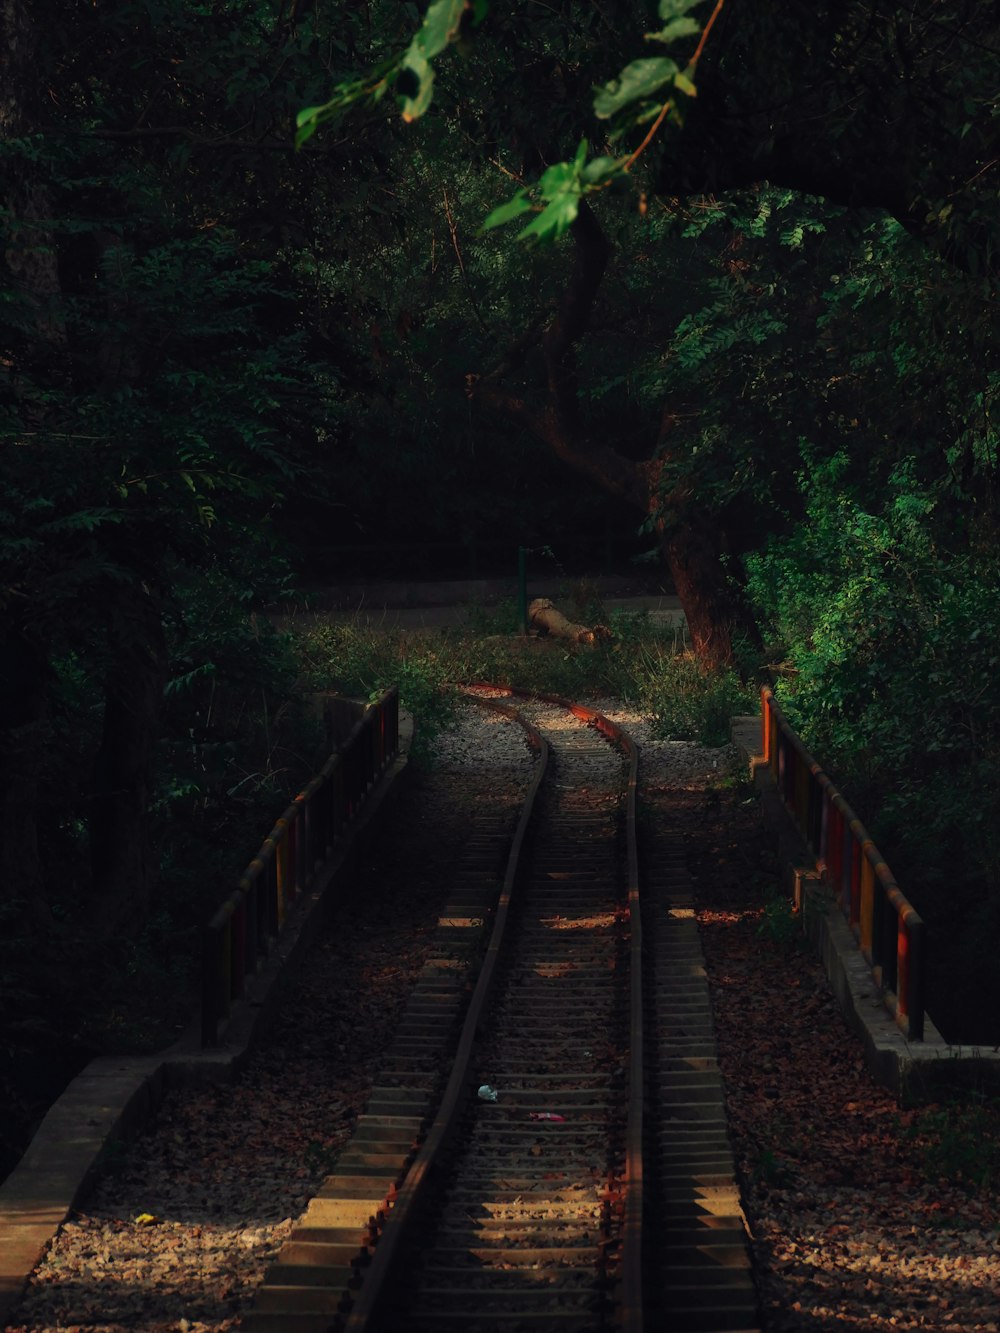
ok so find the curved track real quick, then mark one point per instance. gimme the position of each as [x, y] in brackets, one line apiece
[526, 1212]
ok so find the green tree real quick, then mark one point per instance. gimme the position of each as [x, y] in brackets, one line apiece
[160, 386]
[839, 79]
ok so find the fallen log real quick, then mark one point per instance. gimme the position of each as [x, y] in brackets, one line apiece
[546, 619]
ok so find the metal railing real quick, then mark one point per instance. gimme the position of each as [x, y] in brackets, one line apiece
[242, 931]
[889, 930]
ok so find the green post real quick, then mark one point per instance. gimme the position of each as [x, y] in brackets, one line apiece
[522, 589]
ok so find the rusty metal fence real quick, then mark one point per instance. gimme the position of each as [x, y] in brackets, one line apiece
[243, 930]
[889, 931]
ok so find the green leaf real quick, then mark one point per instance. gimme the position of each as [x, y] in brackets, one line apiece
[415, 66]
[581, 154]
[601, 168]
[558, 178]
[513, 208]
[558, 217]
[674, 31]
[309, 113]
[440, 26]
[305, 133]
[637, 80]
[684, 83]
[308, 122]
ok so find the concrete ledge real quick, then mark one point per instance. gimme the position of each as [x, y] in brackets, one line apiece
[113, 1097]
[915, 1071]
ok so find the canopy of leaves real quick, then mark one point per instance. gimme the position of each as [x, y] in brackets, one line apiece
[801, 303]
[234, 340]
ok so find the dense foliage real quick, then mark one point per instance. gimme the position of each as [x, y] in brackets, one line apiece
[760, 345]
[803, 360]
[160, 390]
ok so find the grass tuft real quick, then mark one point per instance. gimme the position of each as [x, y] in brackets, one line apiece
[645, 664]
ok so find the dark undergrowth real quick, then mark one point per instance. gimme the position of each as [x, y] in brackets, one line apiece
[642, 663]
[239, 741]
[232, 753]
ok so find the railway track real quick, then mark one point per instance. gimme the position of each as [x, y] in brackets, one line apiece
[502, 1177]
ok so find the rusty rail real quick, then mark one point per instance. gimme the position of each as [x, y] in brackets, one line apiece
[241, 932]
[401, 1221]
[889, 930]
[631, 1312]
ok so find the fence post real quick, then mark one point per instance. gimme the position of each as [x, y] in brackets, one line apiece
[853, 868]
[301, 841]
[915, 978]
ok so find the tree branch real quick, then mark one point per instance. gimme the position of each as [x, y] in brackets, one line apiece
[559, 423]
[453, 230]
[572, 318]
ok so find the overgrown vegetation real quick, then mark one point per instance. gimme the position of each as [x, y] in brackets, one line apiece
[779, 923]
[236, 743]
[889, 636]
[643, 664]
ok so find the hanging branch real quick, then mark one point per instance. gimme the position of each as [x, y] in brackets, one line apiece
[558, 422]
[453, 229]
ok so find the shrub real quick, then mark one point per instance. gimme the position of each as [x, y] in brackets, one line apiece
[890, 629]
[779, 922]
[687, 703]
[640, 665]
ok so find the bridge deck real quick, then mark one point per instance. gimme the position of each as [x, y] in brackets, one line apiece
[846, 1227]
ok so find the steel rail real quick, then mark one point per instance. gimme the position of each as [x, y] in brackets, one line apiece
[400, 1218]
[632, 1279]
[631, 1303]
[398, 1223]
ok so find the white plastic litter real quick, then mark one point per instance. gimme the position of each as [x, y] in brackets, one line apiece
[486, 1093]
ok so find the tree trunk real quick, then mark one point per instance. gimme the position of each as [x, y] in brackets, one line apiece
[23, 712]
[34, 349]
[691, 546]
[123, 864]
[714, 614]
